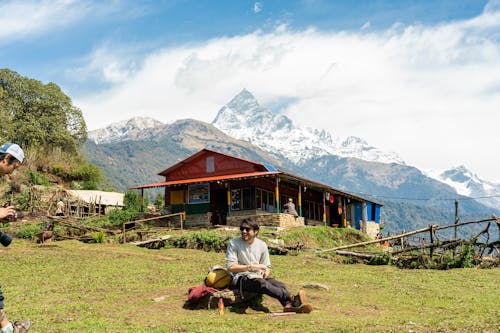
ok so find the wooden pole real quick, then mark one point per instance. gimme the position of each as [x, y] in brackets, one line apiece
[228, 200]
[354, 254]
[99, 207]
[299, 200]
[344, 212]
[456, 217]
[142, 200]
[378, 240]
[434, 228]
[181, 214]
[123, 233]
[277, 190]
[324, 209]
[431, 251]
[446, 243]
[493, 218]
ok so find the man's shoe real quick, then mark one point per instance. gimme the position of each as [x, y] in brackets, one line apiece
[303, 308]
[299, 299]
[21, 326]
[298, 304]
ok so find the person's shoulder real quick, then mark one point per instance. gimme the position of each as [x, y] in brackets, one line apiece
[236, 241]
[260, 242]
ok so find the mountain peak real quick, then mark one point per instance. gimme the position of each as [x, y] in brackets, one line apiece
[244, 119]
[244, 95]
[245, 103]
[466, 182]
[131, 129]
[460, 174]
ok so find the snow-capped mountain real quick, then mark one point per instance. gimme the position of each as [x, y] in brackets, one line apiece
[244, 119]
[467, 183]
[132, 129]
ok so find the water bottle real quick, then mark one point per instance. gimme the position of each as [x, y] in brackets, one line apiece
[220, 306]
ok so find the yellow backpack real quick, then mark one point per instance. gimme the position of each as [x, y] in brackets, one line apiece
[218, 278]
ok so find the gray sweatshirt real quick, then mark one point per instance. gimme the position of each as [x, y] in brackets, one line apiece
[241, 253]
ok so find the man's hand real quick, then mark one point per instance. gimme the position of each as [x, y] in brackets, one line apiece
[7, 211]
[263, 268]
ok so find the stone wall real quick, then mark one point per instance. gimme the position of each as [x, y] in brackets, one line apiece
[269, 219]
[315, 223]
[198, 220]
[370, 228]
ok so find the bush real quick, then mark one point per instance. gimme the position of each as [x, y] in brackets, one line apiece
[381, 259]
[84, 185]
[159, 202]
[464, 259]
[86, 172]
[202, 240]
[28, 231]
[37, 178]
[26, 200]
[118, 216]
[99, 237]
[132, 201]
[79, 171]
[100, 222]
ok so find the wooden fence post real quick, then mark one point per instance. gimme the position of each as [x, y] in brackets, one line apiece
[431, 231]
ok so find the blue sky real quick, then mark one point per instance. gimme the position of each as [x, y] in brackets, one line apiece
[421, 78]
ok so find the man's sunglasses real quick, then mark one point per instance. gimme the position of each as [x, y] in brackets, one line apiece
[247, 229]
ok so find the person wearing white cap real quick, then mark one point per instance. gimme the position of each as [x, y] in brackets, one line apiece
[11, 157]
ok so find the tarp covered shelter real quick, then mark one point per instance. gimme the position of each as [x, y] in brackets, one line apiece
[88, 202]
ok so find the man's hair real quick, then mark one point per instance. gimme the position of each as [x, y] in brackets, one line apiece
[11, 160]
[251, 223]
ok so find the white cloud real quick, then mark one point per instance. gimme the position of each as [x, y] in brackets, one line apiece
[429, 93]
[257, 7]
[21, 19]
[108, 63]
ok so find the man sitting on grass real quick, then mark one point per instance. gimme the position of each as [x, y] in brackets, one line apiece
[247, 258]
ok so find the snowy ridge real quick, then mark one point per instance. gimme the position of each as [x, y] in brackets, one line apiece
[132, 129]
[244, 119]
[467, 183]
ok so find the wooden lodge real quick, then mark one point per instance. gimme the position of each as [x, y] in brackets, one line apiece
[212, 188]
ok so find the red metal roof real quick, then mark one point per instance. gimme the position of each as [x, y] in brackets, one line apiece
[245, 165]
[245, 169]
[207, 179]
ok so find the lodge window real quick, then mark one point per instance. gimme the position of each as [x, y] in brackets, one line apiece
[210, 164]
[241, 199]
[265, 200]
[313, 210]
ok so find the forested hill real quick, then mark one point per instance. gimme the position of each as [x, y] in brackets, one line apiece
[42, 119]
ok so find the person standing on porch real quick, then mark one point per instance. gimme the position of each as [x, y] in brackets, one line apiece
[247, 258]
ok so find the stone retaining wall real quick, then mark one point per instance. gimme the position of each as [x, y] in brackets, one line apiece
[268, 219]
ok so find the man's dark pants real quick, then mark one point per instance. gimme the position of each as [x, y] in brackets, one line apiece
[267, 286]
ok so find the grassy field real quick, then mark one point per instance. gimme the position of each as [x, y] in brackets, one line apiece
[70, 286]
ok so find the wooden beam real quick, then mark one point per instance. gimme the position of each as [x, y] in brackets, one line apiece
[379, 240]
